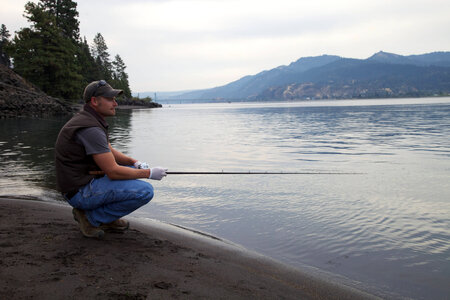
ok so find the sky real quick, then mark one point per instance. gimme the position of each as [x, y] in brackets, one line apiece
[174, 45]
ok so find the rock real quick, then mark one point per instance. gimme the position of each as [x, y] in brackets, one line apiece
[19, 98]
[133, 103]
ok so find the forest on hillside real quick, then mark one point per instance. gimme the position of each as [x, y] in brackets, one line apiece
[51, 54]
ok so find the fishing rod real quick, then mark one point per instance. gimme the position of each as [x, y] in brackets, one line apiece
[260, 173]
[246, 173]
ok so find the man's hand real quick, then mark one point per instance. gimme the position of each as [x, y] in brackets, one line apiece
[141, 165]
[157, 173]
[107, 163]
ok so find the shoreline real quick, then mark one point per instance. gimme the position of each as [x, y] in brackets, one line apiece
[44, 255]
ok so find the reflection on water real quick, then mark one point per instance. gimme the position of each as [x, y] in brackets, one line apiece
[120, 126]
[388, 228]
[26, 157]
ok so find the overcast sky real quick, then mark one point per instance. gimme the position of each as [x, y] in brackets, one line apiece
[193, 44]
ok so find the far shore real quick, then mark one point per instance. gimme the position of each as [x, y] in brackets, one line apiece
[79, 106]
[44, 256]
[133, 107]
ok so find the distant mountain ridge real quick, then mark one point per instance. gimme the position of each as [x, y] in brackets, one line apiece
[333, 77]
[441, 59]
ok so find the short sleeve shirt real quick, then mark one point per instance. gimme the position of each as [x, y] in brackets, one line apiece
[93, 139]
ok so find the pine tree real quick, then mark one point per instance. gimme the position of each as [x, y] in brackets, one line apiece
[45, 56]
[51, 54]
[4, 45]
[66, 14]
[120, 77]
[101, 55]
[89, 69]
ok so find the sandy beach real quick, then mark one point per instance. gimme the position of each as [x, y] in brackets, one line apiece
[44, 256]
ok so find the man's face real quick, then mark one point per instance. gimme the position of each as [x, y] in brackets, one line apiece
[104, 106]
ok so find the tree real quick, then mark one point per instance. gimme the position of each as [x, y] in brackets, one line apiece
[89, 69]
[101, 55]
[45, 56]
[120, 77]
[66, 14]
[4, 44]
[51, 54]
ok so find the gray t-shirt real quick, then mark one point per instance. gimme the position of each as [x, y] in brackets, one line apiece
[93, 139]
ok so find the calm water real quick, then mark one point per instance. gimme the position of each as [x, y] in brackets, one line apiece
[388, 228]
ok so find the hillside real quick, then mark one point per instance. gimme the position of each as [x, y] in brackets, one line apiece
[20, 98]
[252, 86]
[333, 77]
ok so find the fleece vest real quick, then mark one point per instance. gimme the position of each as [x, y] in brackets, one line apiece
[71, 162]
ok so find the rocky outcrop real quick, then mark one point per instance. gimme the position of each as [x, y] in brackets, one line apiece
[19, 98]
[137, 103]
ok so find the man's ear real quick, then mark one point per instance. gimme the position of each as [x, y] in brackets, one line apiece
[94, 101]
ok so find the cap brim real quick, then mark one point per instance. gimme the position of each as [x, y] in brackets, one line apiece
[112, 93]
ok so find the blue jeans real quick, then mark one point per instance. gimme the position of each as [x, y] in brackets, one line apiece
[104, 200]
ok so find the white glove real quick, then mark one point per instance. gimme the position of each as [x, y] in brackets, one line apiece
[157, 173]
[141, 165]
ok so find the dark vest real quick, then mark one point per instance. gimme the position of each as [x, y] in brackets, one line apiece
[71, 162]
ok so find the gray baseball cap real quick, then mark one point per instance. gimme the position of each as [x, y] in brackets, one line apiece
[99, 88]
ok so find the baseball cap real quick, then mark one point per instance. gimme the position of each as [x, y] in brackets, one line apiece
[99, 88]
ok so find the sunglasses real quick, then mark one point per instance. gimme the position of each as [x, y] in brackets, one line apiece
[97, 86]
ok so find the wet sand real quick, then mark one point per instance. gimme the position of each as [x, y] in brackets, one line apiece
[45, 256]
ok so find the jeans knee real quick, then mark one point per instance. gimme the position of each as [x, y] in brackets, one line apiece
[147, 194]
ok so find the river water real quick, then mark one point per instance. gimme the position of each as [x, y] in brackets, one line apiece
[388, 227]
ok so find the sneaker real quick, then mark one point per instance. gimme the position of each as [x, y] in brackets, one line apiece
[86, 228]
[117, 225]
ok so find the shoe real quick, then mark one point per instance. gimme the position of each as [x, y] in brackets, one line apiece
[117, 225]
[86, 228]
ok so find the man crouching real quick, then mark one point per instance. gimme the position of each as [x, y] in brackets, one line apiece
[83, 151]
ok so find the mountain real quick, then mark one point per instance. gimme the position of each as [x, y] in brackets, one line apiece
[251, 86]
[436, 59]
[441, 59]
[333, 77]
[391, 58]
[351, 78]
